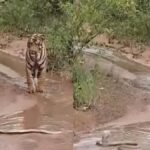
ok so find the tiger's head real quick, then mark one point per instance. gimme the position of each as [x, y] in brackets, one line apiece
[35, 43]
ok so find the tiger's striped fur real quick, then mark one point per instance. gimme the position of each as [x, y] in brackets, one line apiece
[36, 63]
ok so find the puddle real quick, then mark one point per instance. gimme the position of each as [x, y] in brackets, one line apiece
[31, 119]
[51, 111]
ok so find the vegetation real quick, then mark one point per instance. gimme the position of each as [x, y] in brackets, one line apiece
[84, 87]
[70, 25]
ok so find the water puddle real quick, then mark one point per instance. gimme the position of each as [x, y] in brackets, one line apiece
[31, 119]
[50, 110]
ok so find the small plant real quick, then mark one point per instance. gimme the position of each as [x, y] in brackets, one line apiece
[84, 86]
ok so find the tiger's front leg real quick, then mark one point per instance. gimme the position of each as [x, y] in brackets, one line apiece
[30, 82]
[41, 78]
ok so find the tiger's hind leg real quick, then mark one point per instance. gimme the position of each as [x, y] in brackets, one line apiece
[41, 78]
[30, 81]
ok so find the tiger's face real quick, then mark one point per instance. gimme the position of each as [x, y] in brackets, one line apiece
[35, 45]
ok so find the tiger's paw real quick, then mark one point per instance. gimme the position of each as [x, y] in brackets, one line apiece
[31, 90]
[40, 90]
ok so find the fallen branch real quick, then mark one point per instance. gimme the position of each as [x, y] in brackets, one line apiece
[27, 131]
[117, 143]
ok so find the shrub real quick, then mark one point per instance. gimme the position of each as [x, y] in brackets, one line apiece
[84, 86]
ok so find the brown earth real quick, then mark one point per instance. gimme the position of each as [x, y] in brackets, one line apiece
[134, 51]
[115, 100]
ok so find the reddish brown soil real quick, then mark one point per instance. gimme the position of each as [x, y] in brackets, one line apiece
[134, 51]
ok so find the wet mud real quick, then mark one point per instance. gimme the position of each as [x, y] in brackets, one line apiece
[22, 112]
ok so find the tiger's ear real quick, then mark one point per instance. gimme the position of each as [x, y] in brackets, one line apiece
[29, 43]
[42, 37]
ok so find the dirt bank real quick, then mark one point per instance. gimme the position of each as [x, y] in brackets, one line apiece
[134, 51]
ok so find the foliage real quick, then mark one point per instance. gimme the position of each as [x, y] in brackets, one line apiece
[84, 86]
[29, 15]
[127, 18]
[85, 18]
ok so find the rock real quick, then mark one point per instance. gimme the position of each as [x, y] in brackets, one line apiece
[142, 81]
[105, 136]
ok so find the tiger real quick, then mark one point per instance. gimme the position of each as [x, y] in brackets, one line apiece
[36, 63]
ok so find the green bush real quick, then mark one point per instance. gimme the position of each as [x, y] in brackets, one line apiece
[84, 86]
[127, 18]
[29, 15]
